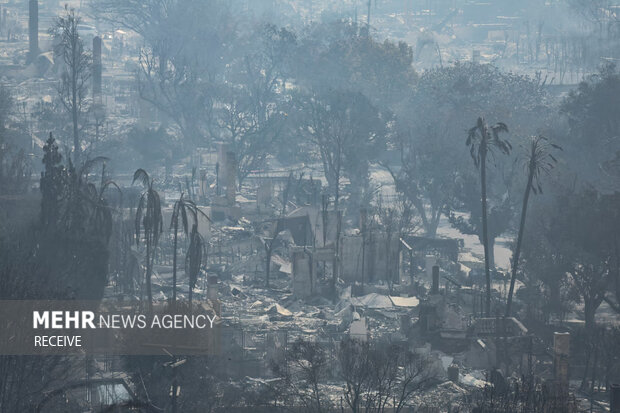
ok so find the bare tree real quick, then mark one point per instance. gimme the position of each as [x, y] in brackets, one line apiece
[395, 221]
[427, 174]
[377, 377]
[73, 87]
[249, 128]
[348, 132]
[187, 48]
[304, 368]
[251, 113]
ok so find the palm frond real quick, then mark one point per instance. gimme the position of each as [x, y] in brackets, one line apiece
[90, 163]
[184, 219]
[500, 127]
[201, 212]
[91, 191]
[138, 221]
[142, 176]
[539, 160]
[158, 221]
[107, 184]
[175, 214]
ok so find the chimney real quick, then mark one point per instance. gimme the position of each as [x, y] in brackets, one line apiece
[204, 184]
[97, 69]
[231, 172]
[435, 287]
[5, 19]
[222, 152]
[33, 29]
[213, 292]
[429, 262]
[212, 287]
[453, 373]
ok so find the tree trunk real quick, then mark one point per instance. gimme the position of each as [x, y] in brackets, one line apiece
[429, 229]
[388, 273]
[434, 224]
[617, 267]
[589, 310]
[337, 193]
[174, 264]
[76, 137]
[485, 238]
[594, 368]
[268, 251]
[584, 381]
[515, 261]
[363, 257]
[491, 242]
[336, 253]
[149, 269]
[174, 388]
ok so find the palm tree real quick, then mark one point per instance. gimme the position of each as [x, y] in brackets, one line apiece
[182, 208]
[482, 140]
[193, 260]
[148, 217]
[101, 217]
[538, 161]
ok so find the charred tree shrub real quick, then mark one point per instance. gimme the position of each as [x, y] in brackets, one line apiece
[523, 395]
[74, 229]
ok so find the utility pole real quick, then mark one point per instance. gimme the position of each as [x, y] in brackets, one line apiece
[33, 29]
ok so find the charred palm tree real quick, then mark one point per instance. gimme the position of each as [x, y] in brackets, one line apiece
[193, 259]
[483, 140]
[183, 208]
[101, 215]
[538, 161]
[83, 199]
[149, 218]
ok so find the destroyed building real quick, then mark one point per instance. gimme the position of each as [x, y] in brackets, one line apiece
[388, 206]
